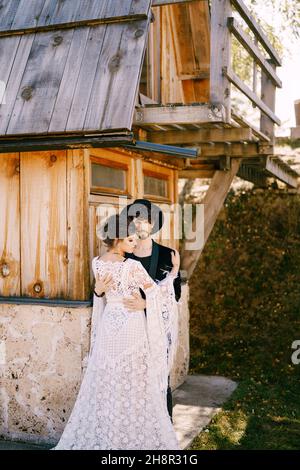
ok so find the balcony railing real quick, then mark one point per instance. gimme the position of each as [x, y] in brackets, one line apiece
[223, 26]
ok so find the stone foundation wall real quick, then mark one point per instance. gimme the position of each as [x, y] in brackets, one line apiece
[43, 351]
[40, 368]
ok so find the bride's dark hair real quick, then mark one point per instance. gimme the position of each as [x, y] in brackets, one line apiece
[117, 227]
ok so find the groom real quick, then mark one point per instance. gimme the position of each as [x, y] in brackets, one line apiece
[155, 258]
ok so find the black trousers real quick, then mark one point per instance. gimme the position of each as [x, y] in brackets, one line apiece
[169, 399]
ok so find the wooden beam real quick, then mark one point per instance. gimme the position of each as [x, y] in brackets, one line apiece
[201, 136]
[280, 171]
[236, 149]
[31, 144]
[250, 150]
[253, 50]
[193, 169]
[213, 165]
[213, 202]
[256, 29]
[236, 81]
[220, 54]
[178, 114]
[74, 24]
[192, 174]
[265, 149]
[160, 3]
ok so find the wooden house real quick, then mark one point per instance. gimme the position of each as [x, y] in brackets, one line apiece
[102, 100]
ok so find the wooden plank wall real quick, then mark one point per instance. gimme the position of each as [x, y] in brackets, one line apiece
[171, 85]
[43, 224]
[77, 226]
[48, 221]
[10, 224]
[185, 52]
[44, 217]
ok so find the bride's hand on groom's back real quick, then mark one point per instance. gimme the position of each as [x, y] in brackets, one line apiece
[175, 258]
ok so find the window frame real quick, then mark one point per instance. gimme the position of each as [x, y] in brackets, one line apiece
[162, 174]
[111, 163]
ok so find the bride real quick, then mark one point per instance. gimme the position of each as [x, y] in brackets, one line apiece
[122, 402]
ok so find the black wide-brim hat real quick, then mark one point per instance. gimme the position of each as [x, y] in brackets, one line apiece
[143, 208]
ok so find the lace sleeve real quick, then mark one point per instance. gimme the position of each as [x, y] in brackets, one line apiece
[170, 314]
[98, 307]
[161, 301]
[140, 277]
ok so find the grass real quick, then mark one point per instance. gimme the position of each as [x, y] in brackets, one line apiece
[245, 315]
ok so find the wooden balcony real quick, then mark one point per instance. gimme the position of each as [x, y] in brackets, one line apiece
[203, 72]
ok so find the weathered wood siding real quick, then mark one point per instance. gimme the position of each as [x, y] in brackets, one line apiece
[77, 226]
[184, 52]
[76, 79]
[49, 220]
[43, 232]
[43, 224]
[10, 224]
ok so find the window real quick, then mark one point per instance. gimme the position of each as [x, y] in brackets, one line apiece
[109, 176]
[157, 183]
[106, 177]
[155, 186]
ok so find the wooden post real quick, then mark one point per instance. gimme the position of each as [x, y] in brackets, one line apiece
[155, 57]
[295, 131]
[297, 112]
[254, 88]
[268, 91]
[220, 55]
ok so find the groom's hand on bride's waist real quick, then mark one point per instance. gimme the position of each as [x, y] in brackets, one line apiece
[135, 302]
[102, 284]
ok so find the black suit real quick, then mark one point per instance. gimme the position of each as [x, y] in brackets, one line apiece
[157, 266]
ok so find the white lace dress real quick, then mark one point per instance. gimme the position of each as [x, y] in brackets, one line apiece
[122, 401]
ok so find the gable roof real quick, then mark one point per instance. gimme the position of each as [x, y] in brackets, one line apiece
[70, 66]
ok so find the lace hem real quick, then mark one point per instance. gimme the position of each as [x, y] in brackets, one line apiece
[120, 408]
